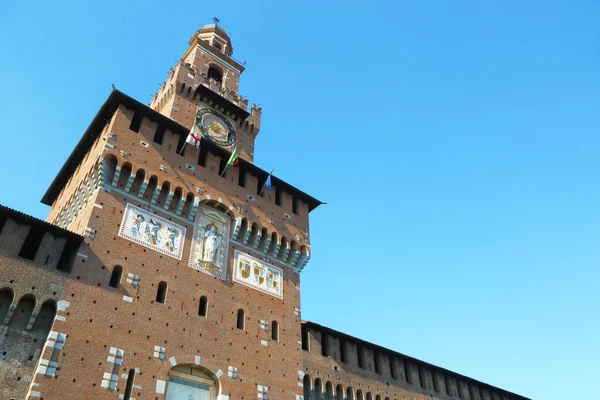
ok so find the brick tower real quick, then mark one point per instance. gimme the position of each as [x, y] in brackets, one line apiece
[186, 283]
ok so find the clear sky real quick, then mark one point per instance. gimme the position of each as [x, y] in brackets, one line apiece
[456, 144]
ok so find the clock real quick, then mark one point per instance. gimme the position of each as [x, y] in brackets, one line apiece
[215, 127]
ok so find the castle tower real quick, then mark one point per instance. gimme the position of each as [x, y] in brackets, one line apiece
[187, 282]
[204, 81]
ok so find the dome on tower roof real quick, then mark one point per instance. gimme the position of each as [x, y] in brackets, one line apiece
[216, 27]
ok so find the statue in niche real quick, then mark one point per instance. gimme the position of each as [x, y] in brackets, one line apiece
[211, 243]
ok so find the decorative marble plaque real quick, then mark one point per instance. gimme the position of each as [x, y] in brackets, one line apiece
[258, 274]
[152, 231]
[210, 243]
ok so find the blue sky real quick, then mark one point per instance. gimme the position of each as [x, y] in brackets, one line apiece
[456, 144]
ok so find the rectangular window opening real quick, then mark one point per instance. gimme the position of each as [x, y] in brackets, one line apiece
[31, 244]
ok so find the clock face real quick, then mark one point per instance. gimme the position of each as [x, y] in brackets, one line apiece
[215, 127]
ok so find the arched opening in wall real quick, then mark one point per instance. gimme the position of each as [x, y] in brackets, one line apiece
[377, 397]
[45, 319]
[241, 319]
[161, 292]
[129, 384]
[125, 174]
[253, 233]
[203, 307]
[275, 331]
[307, 386]
[115, 277]
[328, 391]
[339, 392]
[387, 398]
[6, 298]
[273, 243]
[284, 245]
[152, 184]
[318, 389]
[187, 207]
[369, 396]
[164, 193]
[215, 73]
[349, 394]
[264, 237]
[293, 248]
[110, 166]
[23, 312]
[137, 182]
[176, 199]
[192, 382]
[359, 395]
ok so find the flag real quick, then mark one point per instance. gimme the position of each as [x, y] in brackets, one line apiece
[233, 160]
[268, 184]
[193, 138]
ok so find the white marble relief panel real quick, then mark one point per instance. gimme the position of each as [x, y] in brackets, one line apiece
[257, 274]
[150, 230]
[210, 244]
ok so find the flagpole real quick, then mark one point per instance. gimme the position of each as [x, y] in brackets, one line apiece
[227, 165]
[183, 147]
[265, 184]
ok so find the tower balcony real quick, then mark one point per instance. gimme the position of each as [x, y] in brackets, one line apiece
[230, 95]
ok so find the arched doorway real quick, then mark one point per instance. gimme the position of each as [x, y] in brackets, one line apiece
[192, 382]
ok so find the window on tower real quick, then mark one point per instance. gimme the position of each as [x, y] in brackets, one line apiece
[240, 319]
[215, 73]
[161, 293]
[202, 309]
[115, 277]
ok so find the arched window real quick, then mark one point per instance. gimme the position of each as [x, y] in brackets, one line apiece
[349, 394]
[161, 293]
[45, 319]
[275, 331]
[378, 397]
[24, 310]
[359, 395]
[307, 384]
[328, 391]
[318, 389]
[215, 73]
[369, 396]
[339, 392]
[6, 298]
[115, 277]
[129, 385]
[240, 319]
[203, 307]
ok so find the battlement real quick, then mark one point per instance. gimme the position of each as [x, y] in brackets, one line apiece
[373, 372]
